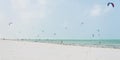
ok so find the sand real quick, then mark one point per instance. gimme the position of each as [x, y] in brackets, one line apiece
[23, 50]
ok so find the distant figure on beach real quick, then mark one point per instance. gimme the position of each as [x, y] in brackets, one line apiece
[99, 42]
[61, 42]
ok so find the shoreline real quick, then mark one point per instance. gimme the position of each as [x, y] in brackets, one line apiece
[24, 50]
[62, 43]
[91, 46]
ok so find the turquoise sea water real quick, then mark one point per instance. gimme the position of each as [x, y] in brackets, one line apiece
[106, 43]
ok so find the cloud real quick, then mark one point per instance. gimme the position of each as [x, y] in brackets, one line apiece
[19, 3]
[99, 10]
[96, 11]
[42, 2]
[26, 9]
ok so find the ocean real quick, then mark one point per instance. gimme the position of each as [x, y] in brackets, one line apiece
[104, 43]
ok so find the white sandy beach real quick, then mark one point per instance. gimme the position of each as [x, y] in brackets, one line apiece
[22, 50]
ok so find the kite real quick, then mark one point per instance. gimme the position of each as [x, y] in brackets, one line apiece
[10, 23]
[110, 3]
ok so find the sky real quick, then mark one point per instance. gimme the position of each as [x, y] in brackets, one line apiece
[59, 19]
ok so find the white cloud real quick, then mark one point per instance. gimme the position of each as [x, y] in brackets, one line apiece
[96, 11]
[99, 10]
[42, 2]
[43, 6]
[19, 4]
[26, 10]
